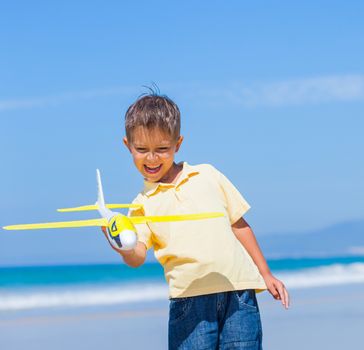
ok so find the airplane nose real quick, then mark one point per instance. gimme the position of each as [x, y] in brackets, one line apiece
[128, 239]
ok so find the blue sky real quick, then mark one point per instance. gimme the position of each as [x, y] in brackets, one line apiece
[271, 93]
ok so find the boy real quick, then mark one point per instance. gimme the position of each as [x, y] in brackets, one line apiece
[213, 266]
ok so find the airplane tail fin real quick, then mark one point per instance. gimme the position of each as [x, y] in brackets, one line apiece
[103, 210]
[100, 192]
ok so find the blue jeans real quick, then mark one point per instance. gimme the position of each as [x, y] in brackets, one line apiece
[227, 320]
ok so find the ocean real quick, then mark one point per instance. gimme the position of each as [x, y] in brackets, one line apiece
[77, 286]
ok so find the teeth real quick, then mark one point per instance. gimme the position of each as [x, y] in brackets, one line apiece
[150, 169]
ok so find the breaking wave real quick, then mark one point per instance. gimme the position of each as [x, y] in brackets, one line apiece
[106, 294]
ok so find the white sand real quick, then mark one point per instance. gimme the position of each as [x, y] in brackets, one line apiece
[330, 318]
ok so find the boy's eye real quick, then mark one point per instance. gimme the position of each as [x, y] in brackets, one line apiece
[159, 149]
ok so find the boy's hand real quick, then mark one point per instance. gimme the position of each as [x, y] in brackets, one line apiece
[113, 246]
[277, 289]
[133, 257]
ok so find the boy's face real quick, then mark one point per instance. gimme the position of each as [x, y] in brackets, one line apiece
[153, 153]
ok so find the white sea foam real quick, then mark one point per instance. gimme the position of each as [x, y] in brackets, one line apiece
[92, 296]
[338, 274]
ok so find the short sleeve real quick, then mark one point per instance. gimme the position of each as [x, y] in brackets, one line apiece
[235, 203]
[143, 231]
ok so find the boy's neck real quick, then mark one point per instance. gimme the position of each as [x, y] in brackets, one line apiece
[173, 174]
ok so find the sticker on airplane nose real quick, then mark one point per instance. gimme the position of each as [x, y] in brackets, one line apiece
[113, 227]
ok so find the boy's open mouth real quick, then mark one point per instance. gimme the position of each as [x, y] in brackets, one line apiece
[152, 170]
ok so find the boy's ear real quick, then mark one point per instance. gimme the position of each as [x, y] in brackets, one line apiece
[179, 142]
[126, 143]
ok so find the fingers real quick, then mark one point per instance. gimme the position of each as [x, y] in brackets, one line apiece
[283, 295]
[104, 230]
[274, 292]
[279, 292]
[286, 298]
[123, 252]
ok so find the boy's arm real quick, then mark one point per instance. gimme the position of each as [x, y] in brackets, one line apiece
[246, 237]
[134, 257]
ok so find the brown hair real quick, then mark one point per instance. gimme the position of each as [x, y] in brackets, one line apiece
[153, 110]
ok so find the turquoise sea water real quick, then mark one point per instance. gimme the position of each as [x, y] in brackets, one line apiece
[18, 277]
[29, 276]
[35, 287]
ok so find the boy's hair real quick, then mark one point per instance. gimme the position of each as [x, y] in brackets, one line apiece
[151, 111]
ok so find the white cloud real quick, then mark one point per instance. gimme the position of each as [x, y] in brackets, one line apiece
[45, 101]
[322, 89]
[294, 92]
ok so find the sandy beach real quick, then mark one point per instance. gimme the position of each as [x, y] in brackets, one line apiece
[325, 317]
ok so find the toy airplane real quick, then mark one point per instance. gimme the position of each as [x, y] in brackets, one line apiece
[120, 228]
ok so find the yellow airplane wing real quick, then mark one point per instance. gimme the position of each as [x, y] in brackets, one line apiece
[61, 224]
[95, 207]
[165, 218]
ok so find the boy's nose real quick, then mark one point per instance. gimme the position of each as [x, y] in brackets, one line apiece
[152, 156]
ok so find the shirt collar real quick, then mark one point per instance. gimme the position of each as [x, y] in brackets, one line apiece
[151, 188]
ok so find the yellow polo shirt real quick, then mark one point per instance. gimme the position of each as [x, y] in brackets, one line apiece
[202, 256]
